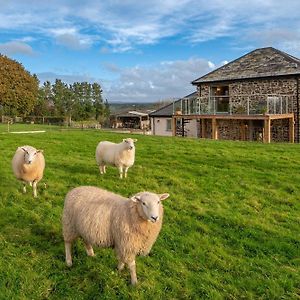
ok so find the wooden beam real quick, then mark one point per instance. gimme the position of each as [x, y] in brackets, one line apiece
[291, 130]
[237, 117]
[214, 129]
[203, 128]
[173, 126]
[250, 130]
[267, 130]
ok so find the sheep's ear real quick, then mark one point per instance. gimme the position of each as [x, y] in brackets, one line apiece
[24, 149]
[134, 140]
[124, 140]
[39, 151]
[135, 198]
[163, 196]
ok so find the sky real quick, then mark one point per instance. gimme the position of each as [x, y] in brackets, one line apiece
[142, 51]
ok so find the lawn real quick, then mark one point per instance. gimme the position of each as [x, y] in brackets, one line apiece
[231, 226]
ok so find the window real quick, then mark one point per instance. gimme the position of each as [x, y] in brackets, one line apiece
[169, 125]
[220, 98]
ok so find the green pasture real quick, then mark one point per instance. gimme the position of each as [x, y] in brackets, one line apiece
[231, 226]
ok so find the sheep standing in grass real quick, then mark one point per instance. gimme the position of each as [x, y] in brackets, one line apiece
[101, 218]
[121, 155]
[28, 165]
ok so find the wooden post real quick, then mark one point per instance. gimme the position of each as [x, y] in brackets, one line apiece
[267, 130]
[243, 131]
[173, 126]
[203, 128]
[250, 130]
[214, 129]
[291, 130]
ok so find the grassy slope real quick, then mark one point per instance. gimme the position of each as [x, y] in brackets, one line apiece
[231, 226]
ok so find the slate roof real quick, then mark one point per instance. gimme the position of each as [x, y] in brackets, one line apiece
[167, 110]
[263, 62]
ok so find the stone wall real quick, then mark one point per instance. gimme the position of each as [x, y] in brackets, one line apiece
[280, 130]
[247, 130]
[257, 91]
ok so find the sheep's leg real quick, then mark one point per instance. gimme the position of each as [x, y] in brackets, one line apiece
[34, 184]
[68, 249]
[24, 188]
[132, 269]
[125, 172]
[121, 265]
[89, 249]
[101, 169]
[121, 171]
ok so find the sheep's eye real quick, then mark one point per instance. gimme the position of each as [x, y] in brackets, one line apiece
[144, 203]
[158, 202]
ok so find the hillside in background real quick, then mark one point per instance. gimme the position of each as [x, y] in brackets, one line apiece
[121, 107]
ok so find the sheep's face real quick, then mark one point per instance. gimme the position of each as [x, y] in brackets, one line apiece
[129, 143]
[29, 155]
[150, 204]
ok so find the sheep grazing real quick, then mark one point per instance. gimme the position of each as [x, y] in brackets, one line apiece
[101, 218]
[28, 165]
[120, 155]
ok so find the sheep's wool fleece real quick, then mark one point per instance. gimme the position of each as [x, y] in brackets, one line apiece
[106, 219]
[26, 172]
[114, 154]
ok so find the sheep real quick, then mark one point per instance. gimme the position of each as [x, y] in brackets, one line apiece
[28, 165]
[120, 155]
[102, 218]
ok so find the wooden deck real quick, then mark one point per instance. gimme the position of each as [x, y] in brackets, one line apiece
[266, 118]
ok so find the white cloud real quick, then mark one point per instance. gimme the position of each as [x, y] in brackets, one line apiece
[71, 38]
[169, 79]
[124, 24]
[16, 47]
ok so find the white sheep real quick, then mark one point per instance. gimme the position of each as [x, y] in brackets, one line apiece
[101, 218]
[28, 165]
[121, 155]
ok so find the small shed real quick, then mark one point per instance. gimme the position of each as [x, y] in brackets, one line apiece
[131, 119]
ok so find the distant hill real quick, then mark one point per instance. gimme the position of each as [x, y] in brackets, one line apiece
[120, 107]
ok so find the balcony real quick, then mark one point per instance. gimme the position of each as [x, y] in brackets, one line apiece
[235, 105]
[250, 112]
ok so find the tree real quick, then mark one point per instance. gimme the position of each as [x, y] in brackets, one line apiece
[97, 100]
[18, 88]
[79, 101]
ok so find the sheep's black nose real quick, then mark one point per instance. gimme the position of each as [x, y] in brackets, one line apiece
[130, 147]
[154, 218]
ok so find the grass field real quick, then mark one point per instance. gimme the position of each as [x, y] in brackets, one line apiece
[231, 227]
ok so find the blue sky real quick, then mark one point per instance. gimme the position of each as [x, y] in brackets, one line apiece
[142, 51]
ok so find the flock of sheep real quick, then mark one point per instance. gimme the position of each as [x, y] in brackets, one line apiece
[102, 218]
